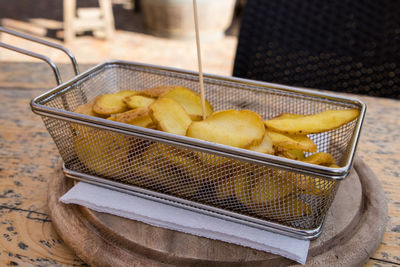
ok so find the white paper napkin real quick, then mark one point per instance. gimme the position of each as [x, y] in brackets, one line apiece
[163, 215]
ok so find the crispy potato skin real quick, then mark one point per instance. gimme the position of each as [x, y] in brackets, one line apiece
[109, 104]
[87, 109]
[156, 92]
[296, 154]
[138, 117]
[138, 101]
[266, 146]
[283, 141]
[311, 124]
[321, 158]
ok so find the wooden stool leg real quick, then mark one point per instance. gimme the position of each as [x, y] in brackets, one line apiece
[69, 17]
[108, 17]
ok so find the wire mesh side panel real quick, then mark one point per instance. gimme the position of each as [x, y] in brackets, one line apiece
[271, 194]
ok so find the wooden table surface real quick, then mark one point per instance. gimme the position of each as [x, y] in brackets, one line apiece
[28, 156]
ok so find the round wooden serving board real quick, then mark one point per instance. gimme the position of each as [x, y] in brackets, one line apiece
[353, 230]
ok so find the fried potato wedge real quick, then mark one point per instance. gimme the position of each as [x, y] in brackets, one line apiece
[107, 157]
[283, 141]
[156, 92]
[190, 101]
[181, 159]
[170, 116]
[214, 162]
[292, 207]
[241, 129]
[266, 190]
[296, 154]
[87, 109]
[138, 117]
[138, 101]
[321, 158]
[171, 169]
[311, 124]
[109, 104]
[266, 146]
[256, 192]
[186, 161]
[314, 186]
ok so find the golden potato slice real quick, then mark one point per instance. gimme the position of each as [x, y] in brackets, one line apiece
[216, 164]
[258, 191]
[296, 154]
[138, 117]
[265, 146]
[287, 210]
[106, 157]
[186, 161]
[170, 116]
[138, 101]
[270, 189]
[241, 129]
[156, 92]
[170, 169]
[311, 124]
[314, 186]
[321, 158]
[109, 104]
[283, 141]
[190, 101]
[86, 109]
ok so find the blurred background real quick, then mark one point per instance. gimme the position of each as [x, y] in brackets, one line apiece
[158, 32]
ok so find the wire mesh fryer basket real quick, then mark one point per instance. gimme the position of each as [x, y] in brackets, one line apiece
[265, 191]
[253, 188]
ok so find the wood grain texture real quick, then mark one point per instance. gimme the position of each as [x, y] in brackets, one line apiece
[354, 228]
[28, 156]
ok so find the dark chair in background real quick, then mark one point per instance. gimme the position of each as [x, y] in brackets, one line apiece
[345, 46]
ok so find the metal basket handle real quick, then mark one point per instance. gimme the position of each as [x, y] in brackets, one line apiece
[39, 56]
